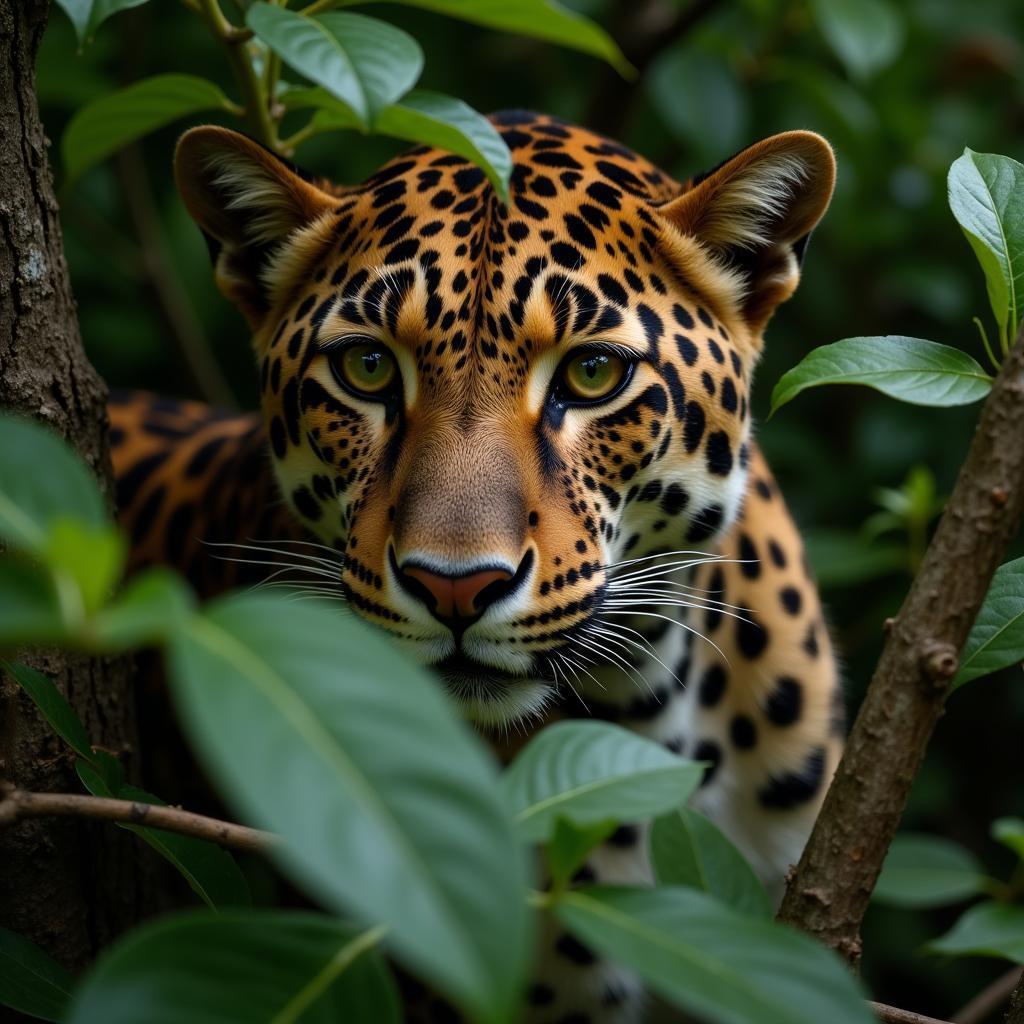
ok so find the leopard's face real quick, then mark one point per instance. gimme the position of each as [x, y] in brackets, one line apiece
[486, 410]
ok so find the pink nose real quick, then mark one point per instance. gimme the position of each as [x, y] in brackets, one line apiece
[460, 597]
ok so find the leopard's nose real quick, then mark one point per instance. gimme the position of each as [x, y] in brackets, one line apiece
[456, 598]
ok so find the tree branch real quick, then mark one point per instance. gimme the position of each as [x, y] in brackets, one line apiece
[1015, 1014]
[894, 1015]
[828, 893]
[989, 999]
[17, 804]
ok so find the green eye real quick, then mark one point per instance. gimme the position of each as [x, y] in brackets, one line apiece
[367, 367]
[593, 375]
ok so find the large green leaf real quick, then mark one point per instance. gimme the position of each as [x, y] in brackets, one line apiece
[687, 849]
[711, 961]
[989, 929]
[30, 612]
[150, 607]
[541, 19]
[421, 116]
[41, 481]
[32, 981]
[590, 772]
[997, 637]
[88, 15]
[112, 121]
[388, 806]
[239, 967]
[986, 195]
[866, 35]
[365, 62]
[52, 705]
[927, 871]
[910, 369]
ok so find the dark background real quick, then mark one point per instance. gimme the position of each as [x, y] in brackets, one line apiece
[889, 259]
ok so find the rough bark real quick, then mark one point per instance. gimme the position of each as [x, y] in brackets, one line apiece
[66, 884]
[1015, 1014]
[829, 891]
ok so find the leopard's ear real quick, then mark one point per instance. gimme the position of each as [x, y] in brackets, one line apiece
[755, 213]
[253, 208]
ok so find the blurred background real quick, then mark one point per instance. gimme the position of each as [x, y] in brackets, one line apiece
[900, 87]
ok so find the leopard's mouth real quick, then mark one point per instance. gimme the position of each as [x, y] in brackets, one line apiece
[491, 696]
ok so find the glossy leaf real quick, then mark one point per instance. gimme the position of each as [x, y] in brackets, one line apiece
[365, 62]
[997, 638]
[149, 608]
[986, 195]
[52, 705]
[113, 121]
[32, 981]
[866, 35]
[910, 369]
[239, 967]
[88, 15]
[927, 871]
[688, 849]
[988, 929]
[570, 844]
[589, 772]
[709, 960]
[423, 117]
[30, 500]
[1010, 832]
[540, 19]
[388, 806]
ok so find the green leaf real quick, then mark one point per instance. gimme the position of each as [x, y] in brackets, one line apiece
[1010, 832]
[29, 609]
[866, 35]
[147, 611]
[540, 19]
[927, 871]
[111, 122]
[688, 849]
[388, 806]
[841, 558]
[92, 557]
[589, 772]
[988, 929]
[30, 500]
[239, 967]
[910, 369]
[421, 116]
[53, 706]
[711, 961]
[997, 638]
[364, 62]
[986, 195]
[32, 981]
[88, 15]
[570, 845]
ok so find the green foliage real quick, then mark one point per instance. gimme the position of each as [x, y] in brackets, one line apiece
[997, 638]
[687, 849]
[590, 772]
[707, 959]
[88, 15]
[928, 871]
[910, 369]
[30, 980]
[866, 35]
[240, 967]
[989, 929]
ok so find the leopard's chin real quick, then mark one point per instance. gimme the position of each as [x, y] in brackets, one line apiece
[489, 697]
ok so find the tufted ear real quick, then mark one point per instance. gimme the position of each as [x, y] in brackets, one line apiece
[756, 211]
[249, 204]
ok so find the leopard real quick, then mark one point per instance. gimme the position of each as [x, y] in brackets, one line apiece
[514, 433]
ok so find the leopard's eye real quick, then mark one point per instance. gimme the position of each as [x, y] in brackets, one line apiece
[593, 375]
[367, 368]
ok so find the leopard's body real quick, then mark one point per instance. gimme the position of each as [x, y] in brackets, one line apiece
[579, 516]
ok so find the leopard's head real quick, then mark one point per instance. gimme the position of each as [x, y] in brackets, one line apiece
[484, 407]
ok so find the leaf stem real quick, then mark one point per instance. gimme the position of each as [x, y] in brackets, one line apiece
[984, 340]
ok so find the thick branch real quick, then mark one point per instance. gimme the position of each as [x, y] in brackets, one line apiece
[17, 804]
[989, 999]
[1015, 1014]
[828, 893]
[894, 1015]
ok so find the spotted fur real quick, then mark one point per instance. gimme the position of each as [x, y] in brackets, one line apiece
[584, 520]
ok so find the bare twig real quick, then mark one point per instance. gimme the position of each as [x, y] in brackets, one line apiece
[171, 296]
[1015, 1014]
[829, 891]
[17, 804]
[894, 1015]
[989, 999]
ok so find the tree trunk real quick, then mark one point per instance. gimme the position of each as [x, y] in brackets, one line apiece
[68, 885]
